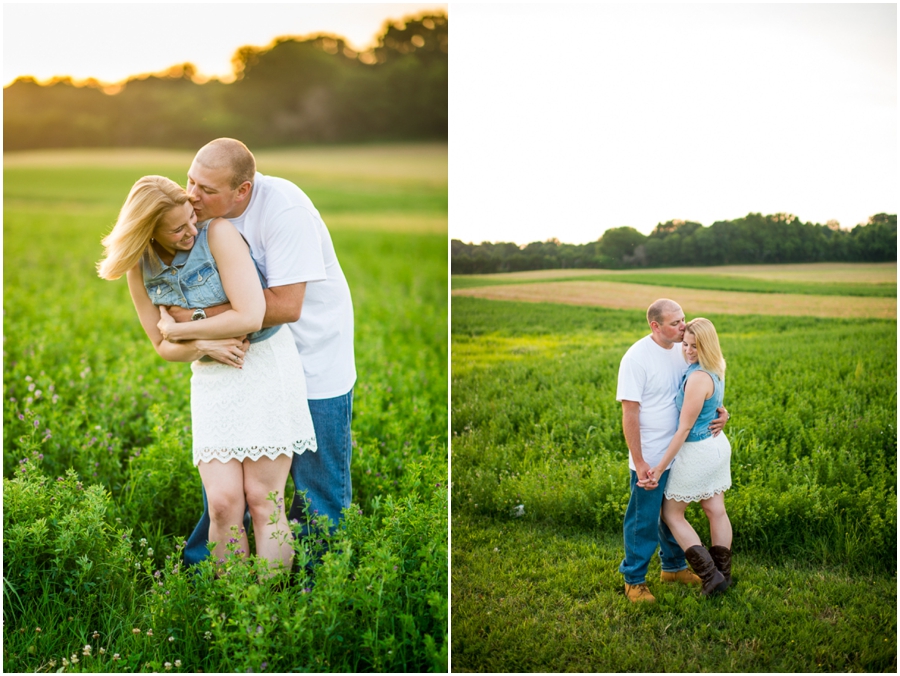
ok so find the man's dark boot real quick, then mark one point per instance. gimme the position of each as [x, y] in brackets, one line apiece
[702, 564]
[721, 556]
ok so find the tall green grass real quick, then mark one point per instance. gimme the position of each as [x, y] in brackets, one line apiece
[94, 419]
[535, 423]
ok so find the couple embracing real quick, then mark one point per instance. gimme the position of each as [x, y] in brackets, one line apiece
[237, 274]
[671, 385]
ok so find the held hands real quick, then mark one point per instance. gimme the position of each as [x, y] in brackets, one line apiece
[228, 351]
[652, 480]
[645, 478]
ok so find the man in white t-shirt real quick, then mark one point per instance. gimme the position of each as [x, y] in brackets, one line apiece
[649, 378]
[307, 291]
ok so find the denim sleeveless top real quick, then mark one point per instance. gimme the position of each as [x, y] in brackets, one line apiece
[191, 280]
[700, 430]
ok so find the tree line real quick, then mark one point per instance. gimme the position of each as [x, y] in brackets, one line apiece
[311, 90]
[776, 238]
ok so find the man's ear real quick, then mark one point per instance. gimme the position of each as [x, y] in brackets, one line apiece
[243, 191]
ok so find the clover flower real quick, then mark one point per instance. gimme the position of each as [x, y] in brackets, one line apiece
[167, 666]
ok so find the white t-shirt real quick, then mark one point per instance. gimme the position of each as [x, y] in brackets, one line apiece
[651, 376]
[290, 244]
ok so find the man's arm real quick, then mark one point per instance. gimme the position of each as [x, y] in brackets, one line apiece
[284, 303]
[283, 306]
[631, 426]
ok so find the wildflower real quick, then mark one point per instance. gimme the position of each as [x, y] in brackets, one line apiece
[157, 574]
[149, 552]
[96, 634]
[87, 651]
[65, 662]
[74, 659]
[102, 651]
[115, 657]
[263, 665]
[207, 635]
[149, 632]
[135, 631]
[38, 630]
[37, 423]
[178, 663]
[21, 417]
[171, 639]
[52, 663]
[31, 387]
[167, 665]
[37, 395]
[136, 565]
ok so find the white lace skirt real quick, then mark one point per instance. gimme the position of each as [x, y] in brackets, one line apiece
[701, 470]
[257, 411]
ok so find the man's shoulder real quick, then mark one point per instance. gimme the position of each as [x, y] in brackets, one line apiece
[276, 188]
[637, 349]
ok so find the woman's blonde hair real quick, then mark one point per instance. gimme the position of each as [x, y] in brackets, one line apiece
[709, 354]
[150, 199]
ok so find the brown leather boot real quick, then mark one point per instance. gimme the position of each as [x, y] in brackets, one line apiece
[702, 564]
[721, 557]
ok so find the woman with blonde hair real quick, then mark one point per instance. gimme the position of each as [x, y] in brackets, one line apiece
[248, 393]
[702, 469]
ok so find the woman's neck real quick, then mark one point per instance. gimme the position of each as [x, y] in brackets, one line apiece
[164, 255]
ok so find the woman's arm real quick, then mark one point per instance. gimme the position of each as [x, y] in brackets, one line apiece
[226, 351]
[241, 284]
[698, 388]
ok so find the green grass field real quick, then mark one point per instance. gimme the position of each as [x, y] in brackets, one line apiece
[703, 281]
[813, 502]
[99, 490]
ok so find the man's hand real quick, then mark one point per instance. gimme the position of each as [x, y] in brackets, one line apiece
[645, 480]
[716, 425]
[166, 322]
[180, 314]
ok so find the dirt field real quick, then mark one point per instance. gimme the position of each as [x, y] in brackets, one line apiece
[863, 273]
[694, 301]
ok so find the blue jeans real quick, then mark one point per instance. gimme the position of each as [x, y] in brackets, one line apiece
[644, 530]
[323, 475]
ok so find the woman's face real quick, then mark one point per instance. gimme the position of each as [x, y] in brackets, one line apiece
[177, 229]
[689, 347]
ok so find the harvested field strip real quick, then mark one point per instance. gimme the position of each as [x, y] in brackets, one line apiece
[834, 273]
[715, 282]
[693, 301]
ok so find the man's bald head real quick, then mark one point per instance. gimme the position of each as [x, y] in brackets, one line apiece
[229, 153]
[660, 308]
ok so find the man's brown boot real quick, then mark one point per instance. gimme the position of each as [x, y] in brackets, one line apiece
[683, 576]
[639, 592]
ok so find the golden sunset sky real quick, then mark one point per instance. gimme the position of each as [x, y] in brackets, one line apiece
[112, 41]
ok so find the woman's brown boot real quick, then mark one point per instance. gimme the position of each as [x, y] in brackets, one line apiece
[702, 564]
[721, 556]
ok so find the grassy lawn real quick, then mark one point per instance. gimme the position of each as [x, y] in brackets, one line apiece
[813, 501]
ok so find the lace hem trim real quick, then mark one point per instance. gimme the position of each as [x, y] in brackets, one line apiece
[241, 453]
[677, 497]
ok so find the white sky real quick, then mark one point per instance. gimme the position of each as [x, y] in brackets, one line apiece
[566, 120]
[111, 41]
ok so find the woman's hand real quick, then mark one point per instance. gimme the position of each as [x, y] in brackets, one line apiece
[166, 322]
[228, 351]
[718, 424]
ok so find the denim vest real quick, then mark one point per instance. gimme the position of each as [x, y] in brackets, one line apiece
[700, 430]
[191, 280]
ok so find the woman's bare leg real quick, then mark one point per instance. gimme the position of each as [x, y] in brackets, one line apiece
[719, 523]
[224, 484]
[673, 515]
[273, 537]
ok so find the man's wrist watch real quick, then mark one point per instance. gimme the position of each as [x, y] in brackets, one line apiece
[198, 314]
